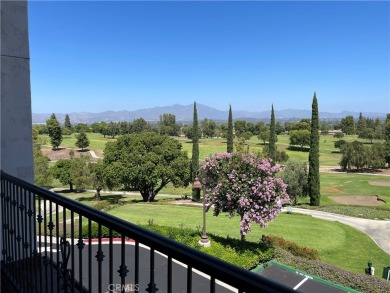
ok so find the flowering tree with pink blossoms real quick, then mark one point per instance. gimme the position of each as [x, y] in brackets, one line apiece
[246, 185]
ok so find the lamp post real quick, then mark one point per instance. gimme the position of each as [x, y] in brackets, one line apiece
[204, 241]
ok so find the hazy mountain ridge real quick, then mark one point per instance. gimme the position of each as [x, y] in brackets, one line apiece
[185, 113]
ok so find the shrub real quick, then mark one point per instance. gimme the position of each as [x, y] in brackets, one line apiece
[332, 273]
[290, 246]
[102, 205]
[246, 255]
[95, 231]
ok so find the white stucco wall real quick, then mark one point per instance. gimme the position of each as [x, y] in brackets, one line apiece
[16, 123]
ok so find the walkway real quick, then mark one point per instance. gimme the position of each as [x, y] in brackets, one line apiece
[378, 230]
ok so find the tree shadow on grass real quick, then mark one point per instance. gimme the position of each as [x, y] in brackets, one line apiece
[298, 148]
[58, 149]
[109, 197]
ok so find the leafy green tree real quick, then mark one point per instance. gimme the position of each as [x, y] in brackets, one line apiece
[208, 127]
[168, 125]
[348, 125]
[353, 154]
[241, 146]
[300, 137]
[262, 131]
[281, 155]
[62, 171]
[97, 127]
[112, 129]
[73, 172]
[82, 140]
[188, 131]
[338, 135]
[80, 127]
[361, 125]
[386, 151]
[303, 124]
[35, 133]
[377, 156]
[279, 128]
[239, 128]
[42, 173]
[264, 135]
[230, 136]
[139, 125]
[250, 127]
[147, 162]
[247, 135]
[79, 172]
[67, 123]
[339, 143]
[272, 137]
[324, 129]
[295, 176]
[55, 131]
[314, 156]
[66, 131]
[223, 128]
[387, 130]
[124, 127]
[97, 177]
[378, 129]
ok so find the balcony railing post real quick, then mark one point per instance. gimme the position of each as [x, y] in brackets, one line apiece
[51, 255]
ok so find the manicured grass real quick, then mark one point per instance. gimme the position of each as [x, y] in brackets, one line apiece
[209, 146]
[333, 184]
[337, 244]
[329, 155]
[97, 141]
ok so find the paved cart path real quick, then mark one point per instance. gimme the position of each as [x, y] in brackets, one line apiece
[378, 230]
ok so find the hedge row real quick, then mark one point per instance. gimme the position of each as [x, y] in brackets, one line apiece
[332, 273]
[249, 255]
[290, 246]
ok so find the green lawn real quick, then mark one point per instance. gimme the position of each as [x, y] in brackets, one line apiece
[353, 184]
[337, 244]
[329, 156]
[97, 141]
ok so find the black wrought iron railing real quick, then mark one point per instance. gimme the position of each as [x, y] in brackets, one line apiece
[51, 243]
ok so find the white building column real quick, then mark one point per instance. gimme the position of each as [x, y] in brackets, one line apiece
[16, 147]
[16, 123]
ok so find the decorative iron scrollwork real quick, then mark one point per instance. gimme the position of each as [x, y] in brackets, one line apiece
[65, 273]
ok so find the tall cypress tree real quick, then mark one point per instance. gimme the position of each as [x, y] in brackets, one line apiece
[314, 164]
[195, 152]
[272, 138]
[195, 144]
[230, 131]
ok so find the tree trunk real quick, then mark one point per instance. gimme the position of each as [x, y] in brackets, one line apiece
[151, 197]
[97, 194]
[71, 187]
[145, 196]
[242, 235]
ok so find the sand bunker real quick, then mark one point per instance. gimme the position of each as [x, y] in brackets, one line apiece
[358, 200]
[380, 183]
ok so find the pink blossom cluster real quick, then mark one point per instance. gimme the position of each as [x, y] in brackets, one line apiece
[243, 184]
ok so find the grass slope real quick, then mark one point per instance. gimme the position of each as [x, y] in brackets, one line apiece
[337, 244]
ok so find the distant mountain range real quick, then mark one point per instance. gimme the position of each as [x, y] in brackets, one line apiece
[185, 113]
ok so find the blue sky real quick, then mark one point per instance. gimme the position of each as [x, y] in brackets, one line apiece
[98, 56]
